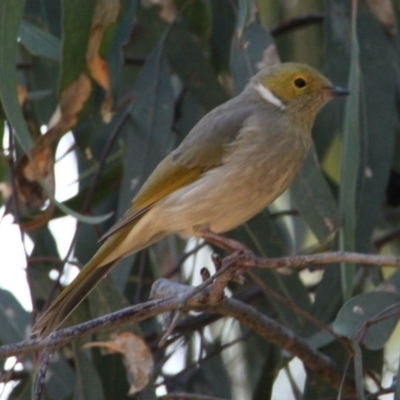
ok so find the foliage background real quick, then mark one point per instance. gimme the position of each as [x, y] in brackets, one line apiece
[129, 79]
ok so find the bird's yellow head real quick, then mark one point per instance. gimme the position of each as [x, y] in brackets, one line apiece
[296, 88]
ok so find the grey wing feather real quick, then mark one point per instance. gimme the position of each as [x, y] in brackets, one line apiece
[215, 130]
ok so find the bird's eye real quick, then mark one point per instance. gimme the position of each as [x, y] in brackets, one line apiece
[300, 82]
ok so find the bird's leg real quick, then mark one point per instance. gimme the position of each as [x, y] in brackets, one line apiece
[232, 246]
[223, 242]
[212, 287]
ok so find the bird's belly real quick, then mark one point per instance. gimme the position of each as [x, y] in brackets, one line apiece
[229, 195]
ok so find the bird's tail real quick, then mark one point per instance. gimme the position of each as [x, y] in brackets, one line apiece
[130, 237]
[71, 297]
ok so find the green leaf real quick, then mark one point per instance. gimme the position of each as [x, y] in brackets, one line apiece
[38, 272]
[245, 12]
[105, 299]
[379, 116]
[14, 320]
[314, 199]
[328, 298]
[269, 371]
[198, 17]
[269, 238]
[350, 165]
[147, 140]
[223, 26]
[358, 371]
[39, 42]
[187, 60]
[76, 22]
[212, 375]
[61, 379]
[361, 310]
[115, 60]
[88, 385]
[247, 54]
[11, 12]
[113, 375]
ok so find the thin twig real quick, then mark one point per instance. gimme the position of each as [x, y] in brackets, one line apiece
[296, 22]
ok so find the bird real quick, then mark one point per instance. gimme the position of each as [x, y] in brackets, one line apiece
[234, 162]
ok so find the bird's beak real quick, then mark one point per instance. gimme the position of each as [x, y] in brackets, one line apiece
[332, 91]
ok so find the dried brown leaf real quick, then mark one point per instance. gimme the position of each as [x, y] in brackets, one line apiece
[30, 191]
[137, 357]
[73, 98]
[106, 13]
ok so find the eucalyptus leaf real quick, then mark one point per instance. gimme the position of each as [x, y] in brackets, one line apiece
[358, 313]
[187, 60]
[88, 383]
[245, 11]
[14, 320]
[147, 137]
[350, 165]
[11, 12]
[39, 42]
[358, 371]
[76, 22]
[223, 20]
[314, 199]
[247, 54]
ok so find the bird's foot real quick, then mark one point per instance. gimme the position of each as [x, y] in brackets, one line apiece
[230, 245]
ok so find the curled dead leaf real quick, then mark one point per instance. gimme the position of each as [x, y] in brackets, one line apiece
[27, 173]
[72, 100]
[137, 357]
[35, 208]
[106, 13]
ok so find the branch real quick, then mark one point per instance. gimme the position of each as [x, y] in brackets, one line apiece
[248, 260]
[244, 258]
[208, 297]
[247, 315]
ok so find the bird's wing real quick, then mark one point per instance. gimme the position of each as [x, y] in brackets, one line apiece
[202, 150]
[165, 179]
